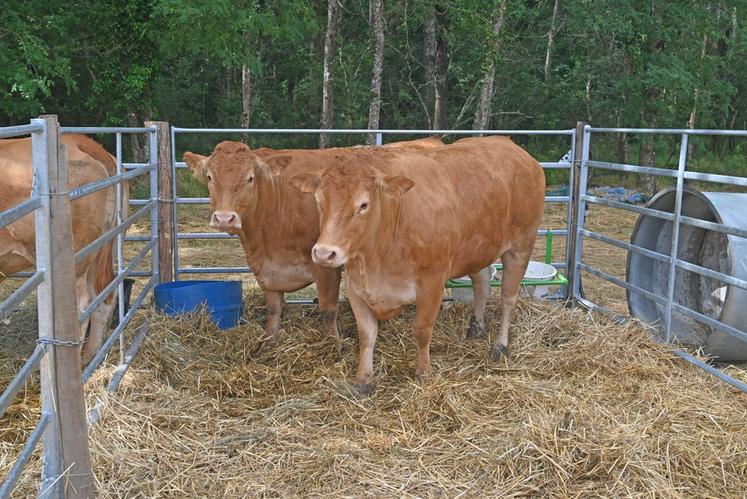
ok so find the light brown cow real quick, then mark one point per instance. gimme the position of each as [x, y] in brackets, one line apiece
[92, 215]
[403, 223]
[277, 225]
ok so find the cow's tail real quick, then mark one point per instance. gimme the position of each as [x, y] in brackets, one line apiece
[104, 267]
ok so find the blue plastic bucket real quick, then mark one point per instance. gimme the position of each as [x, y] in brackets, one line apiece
[221, 298]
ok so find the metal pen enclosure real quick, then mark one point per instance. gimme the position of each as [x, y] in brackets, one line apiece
[676, 267]
[67, 474]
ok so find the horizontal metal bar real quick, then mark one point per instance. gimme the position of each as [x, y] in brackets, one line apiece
[555, 232]
[141, 273]
[105, 129]
[733, 281]
[557, 199]
[215, 270]
[21, 275]
[16, 297]
[112, 233]
[132, 166]
[205, 235]
[555, 166]
[366, 131]
[621, 167]
[192, 200]
[101, 354]
[720, 179]
[87, 189]
[619, 282]
[20, 379]
[709, 321]
[679, 131]
[711, 370]
[16, 130]
[704, 224]
[118, 375]
[628, 207]
[115, 282]
[20, 210]
[625, 246]
[23, 458]
[139, 202]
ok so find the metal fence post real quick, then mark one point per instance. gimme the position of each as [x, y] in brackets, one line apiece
[66, 436]
[575, 194]
[164, 174]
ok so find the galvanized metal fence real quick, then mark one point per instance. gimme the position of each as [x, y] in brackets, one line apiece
[563, 231]
[63, 423]
[676, 269]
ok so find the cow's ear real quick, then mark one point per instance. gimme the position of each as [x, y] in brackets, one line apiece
[197, 165]
[396, 184]
[274, 165]
[268, 169]
[306, 182]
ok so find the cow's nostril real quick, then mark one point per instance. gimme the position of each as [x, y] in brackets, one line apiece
[231, 218]
[331, 256]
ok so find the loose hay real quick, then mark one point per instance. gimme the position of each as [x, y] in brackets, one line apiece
[584, 407]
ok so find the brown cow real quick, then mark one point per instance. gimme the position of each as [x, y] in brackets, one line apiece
[403, 223]
[277, 225]
[92, 215]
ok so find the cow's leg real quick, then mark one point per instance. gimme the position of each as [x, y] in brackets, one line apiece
[100, 320]
[514, 267]
[275, 301]
[427, 305]
[481, 289]
[368, 329]
[84, 294]
[328, 290]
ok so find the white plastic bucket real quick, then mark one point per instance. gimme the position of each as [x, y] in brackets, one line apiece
[539, 271]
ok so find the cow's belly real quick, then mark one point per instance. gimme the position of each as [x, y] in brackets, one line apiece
[275, 276]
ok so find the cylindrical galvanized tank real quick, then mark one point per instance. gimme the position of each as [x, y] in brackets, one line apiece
[720, 252]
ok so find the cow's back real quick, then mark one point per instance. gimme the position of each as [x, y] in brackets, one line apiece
[474, 198]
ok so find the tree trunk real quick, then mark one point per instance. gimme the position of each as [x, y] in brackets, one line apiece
[647, 154]
[485, 106]
[440, 106]
[429, 57]
[696, 98]
[551, 38]
[138, 142]
[315, 84]
[329, 60]
[374, 108]
[246, 100]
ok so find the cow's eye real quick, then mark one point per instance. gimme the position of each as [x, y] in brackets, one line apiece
[363, 207]
[250, 180]
[209, 177]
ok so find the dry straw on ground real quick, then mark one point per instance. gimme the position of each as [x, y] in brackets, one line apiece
[584, 407]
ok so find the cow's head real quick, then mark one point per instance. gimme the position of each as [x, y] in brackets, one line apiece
[235, 178]
[350, 199]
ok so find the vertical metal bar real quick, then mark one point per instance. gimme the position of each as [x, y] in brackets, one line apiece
[174, 196]
[155, 263]
[581, 210]
[120, 245]
[40, 145]
[379, 138]
[571, 200]
[675, 236]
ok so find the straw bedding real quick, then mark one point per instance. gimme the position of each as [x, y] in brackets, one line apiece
[584, 407]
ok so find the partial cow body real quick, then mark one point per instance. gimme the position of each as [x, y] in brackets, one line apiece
[277, 225]
[92, 215]
[404, 222]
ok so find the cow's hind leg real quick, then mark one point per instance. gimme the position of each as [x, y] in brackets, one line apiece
[481, 290]
[328, 289]
[514, 267]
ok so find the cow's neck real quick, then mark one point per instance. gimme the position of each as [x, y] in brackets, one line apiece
[262, 225]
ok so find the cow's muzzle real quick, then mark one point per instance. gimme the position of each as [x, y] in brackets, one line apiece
[227, 221]
[329, 256]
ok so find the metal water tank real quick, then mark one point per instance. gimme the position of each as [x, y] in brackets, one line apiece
[720, 252]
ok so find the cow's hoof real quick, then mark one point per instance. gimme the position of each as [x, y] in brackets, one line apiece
[362, 390]
[475, 330]
[498, 352]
